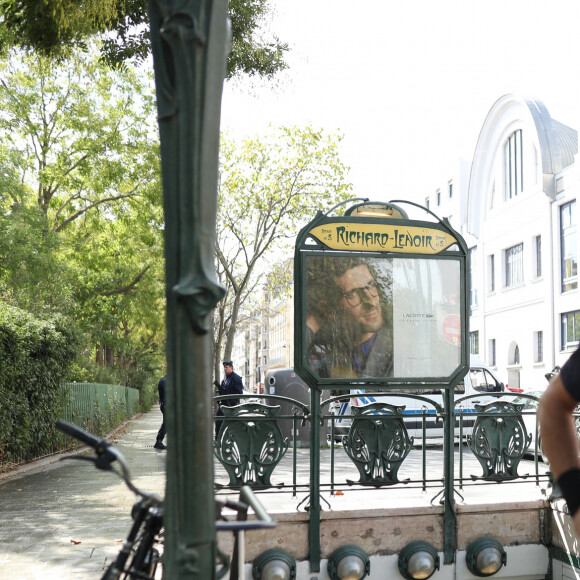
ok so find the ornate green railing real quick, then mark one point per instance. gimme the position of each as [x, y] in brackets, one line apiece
[251, 444]
[378, 443]
[494, 435]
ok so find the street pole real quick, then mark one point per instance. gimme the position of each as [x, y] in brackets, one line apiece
[189, 43]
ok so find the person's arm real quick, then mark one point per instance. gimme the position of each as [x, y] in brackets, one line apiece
[559, 438]
[560, 442]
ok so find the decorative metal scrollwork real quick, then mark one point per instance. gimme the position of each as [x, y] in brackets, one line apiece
[378, 443]
[499, 440]
[250, 444]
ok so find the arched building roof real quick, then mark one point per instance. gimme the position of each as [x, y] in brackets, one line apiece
[558, 144]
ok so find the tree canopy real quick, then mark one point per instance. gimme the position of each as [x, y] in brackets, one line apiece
[54, 27]
[81, 219]
[269, 188]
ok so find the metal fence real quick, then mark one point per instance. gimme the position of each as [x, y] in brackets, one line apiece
[99, 406]
[378, 438]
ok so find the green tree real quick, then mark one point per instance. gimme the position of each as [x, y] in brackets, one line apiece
[81, 226]
[269, 188]
[60, 123]
[52, 27]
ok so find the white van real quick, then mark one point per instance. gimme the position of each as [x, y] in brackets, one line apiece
[479, 380]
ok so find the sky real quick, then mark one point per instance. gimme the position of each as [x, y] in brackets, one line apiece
[409, 83]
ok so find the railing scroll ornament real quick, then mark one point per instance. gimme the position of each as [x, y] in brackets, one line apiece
[378, 443]
[499, 440]
[250, 444]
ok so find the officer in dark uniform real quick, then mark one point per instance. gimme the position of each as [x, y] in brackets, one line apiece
[231, 385]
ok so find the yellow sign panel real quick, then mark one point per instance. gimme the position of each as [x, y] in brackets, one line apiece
[382, 238]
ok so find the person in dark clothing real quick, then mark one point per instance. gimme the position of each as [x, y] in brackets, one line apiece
[231, 385]
[559, 435]
[161, 433]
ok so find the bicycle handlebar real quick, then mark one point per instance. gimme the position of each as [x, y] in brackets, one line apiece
[247, 495]
[106, 455]
[81, 434]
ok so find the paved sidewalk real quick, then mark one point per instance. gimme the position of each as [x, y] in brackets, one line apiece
[66, 519]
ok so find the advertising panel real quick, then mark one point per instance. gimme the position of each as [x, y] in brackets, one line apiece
[373, 317]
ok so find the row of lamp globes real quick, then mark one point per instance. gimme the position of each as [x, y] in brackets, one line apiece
[417, 561]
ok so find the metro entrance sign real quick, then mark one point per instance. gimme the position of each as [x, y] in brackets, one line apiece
[380, 299]
[382, 238]
[380, 304]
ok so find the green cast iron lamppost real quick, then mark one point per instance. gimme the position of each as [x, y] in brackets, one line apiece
[189, 42]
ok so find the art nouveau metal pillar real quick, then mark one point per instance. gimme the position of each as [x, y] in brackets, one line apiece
[189, 40]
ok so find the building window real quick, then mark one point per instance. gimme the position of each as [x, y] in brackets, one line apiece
[450, 189]
[513, 165]
[491, 357]
[539, 346]
[491, 272]
[474, 342]
[568, 246]
[570, 329]
[514, 265]
[538, 256]
[472, 272]
[438, 198]
[427, 202]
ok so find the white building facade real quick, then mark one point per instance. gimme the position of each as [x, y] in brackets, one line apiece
[515, 205]
[516, 208]
[265, 342]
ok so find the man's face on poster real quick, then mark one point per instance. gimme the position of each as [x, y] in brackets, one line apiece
[360, 302]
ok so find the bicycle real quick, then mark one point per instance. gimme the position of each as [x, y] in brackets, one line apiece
[141, 553]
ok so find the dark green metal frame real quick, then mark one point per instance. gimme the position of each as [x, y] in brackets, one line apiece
[306, 246]
[189, 40]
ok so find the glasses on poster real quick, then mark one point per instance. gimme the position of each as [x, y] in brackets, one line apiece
[355, 296]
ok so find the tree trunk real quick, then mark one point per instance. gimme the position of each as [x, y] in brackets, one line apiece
[231, 332]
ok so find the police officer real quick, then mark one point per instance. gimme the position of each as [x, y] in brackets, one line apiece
[231, 385]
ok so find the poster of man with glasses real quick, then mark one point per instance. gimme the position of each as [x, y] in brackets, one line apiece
[369, 317]
[349, 317]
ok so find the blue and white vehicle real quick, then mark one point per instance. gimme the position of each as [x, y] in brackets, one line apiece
[479, 380]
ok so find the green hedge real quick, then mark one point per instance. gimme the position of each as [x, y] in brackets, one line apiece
[35, 358]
